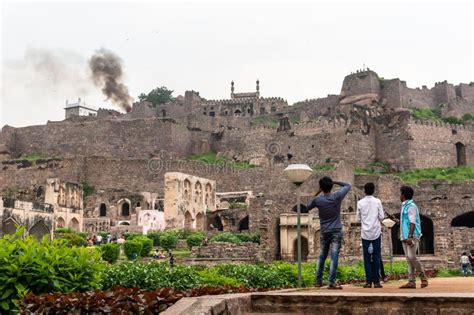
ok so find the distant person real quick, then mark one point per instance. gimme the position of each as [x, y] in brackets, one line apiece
[464, 261]
[121, 240]
[171, 257]
[156, 254]
[98, 239]
[329, 206]
[369, 213]
[410, 234]
[162, 254]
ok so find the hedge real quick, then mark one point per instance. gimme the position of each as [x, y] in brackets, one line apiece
[168, 240]
[110, 252]
[147, 245]
[194, 240]
[132, 249]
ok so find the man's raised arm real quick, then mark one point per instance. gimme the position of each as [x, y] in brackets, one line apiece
[345, 187]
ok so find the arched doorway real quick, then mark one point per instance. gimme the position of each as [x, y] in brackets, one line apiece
[303, 208]
[39, 230]
[244, 224]
[9, 226]
[74, 224]
[216, 223]
[125, 209]
[188, 221]
[426, 241]
[304, 249]
[237, 113]
[461, 154]
[200, 221]
[464, 220]
[60, 223]
[103, 210]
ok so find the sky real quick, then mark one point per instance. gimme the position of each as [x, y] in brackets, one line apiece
[298, 50]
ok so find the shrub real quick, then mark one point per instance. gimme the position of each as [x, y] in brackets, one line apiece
[155, 237]
[72, 239]
[248, 237]
[147, 245]
[226, 237]
[150, 276]
[168, 240]
[194, 240]
[63, 230]
[446, 272]
[130, 236]
[40, 267]
[211, 277]
[87, 189]
[238, 205]
[132, 249]
[110, 252]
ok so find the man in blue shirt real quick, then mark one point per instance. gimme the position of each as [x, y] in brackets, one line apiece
[329, 206]
[410, 234]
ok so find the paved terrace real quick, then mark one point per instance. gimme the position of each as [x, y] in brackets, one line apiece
[443, 296]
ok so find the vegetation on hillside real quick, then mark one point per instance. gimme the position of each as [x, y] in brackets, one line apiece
[266, 120]
[323, 167]
[435, 114]
[452, 174]
[212, 158]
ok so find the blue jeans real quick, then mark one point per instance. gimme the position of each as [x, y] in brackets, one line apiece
[372, 261]
[464, 269]
[327, 239]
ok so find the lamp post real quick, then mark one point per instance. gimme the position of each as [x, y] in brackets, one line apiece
[389, 223]
[298, 174]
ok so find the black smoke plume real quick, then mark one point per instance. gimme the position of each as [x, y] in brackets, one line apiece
[106, 70]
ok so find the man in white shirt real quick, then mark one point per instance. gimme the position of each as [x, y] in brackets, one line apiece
[369, 214]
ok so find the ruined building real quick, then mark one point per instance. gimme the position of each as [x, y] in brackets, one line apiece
[126, 158]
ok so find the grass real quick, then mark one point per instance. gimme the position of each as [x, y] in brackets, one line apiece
[323, 167]
[266, 120]
[452, 174]
[435, 115]
[237, 205]
[211, 158]
[32, 157]
[373, 168]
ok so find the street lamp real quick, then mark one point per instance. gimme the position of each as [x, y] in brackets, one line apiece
[298, 174]
[389, 223]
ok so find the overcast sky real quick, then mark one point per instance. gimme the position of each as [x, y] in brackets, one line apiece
[297, 50]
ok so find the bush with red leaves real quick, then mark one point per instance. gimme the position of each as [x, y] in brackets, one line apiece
[117, 301]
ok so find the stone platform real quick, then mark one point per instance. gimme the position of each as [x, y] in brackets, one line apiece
[443, 296]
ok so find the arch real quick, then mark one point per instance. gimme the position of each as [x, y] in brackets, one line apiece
[9, 226]
[60, 222]
[103, 210]
[303, 208]
[74, 224]
[187, 190]
[188, 221]
[426, 241]
[198, 192]
[216, 223]
[465, 219]
[237, 113]
[125, 209]
[200, 222]
[39, 230]
[461, 154]
[163, 113]
[244, 224]
[304, 249]
[124, 223]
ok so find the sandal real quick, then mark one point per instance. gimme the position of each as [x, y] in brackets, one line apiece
[424, 283]
[334, 287]
[368, 285]
[378, 285]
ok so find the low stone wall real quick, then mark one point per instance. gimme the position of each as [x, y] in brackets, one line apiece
[227, 252]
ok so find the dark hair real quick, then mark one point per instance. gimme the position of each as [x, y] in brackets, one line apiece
[326, 184]
[407, 192]
[465, 254]
[369, 188]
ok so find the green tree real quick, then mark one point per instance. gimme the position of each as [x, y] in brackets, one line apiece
[157, 96]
